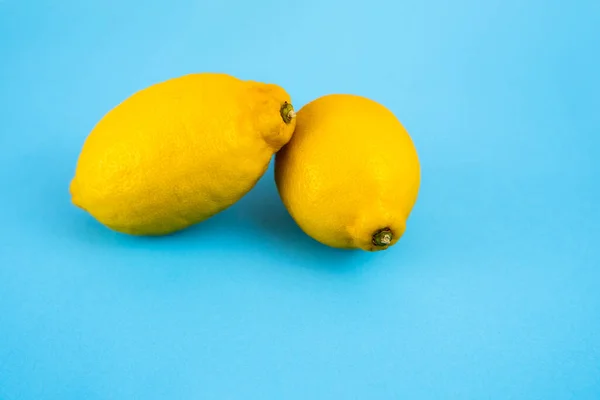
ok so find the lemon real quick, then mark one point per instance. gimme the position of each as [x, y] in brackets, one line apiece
[350, 175]
[180, 151]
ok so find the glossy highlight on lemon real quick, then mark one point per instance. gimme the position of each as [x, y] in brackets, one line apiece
[350, 175]
[180, 151]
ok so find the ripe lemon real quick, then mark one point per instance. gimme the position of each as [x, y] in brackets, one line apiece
[180, 151]
[350, 175]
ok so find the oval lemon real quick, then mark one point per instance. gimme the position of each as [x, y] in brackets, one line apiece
[180, 151]
[350, 175]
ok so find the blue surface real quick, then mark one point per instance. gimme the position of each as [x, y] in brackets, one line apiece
[492, 294]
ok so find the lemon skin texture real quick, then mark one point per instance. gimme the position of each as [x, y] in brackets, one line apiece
[350, 175]
[180, 151]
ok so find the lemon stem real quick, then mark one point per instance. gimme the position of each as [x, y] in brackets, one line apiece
[383, 237]
[287, 112]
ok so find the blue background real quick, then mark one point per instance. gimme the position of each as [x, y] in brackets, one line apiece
[492, 294]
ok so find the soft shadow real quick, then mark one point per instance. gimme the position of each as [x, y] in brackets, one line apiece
[258, 219]
[201, 238]
[269, 217]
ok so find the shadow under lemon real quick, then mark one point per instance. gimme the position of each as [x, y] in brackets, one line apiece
[258, 220]
[269, 218]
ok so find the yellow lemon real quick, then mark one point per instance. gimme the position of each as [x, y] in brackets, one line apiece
[180, 151]
[350, 175]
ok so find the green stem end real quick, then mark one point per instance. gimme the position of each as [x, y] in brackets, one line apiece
[287, 112]
[383, 237]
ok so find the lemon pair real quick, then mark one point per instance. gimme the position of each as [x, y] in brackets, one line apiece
[180, 151]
